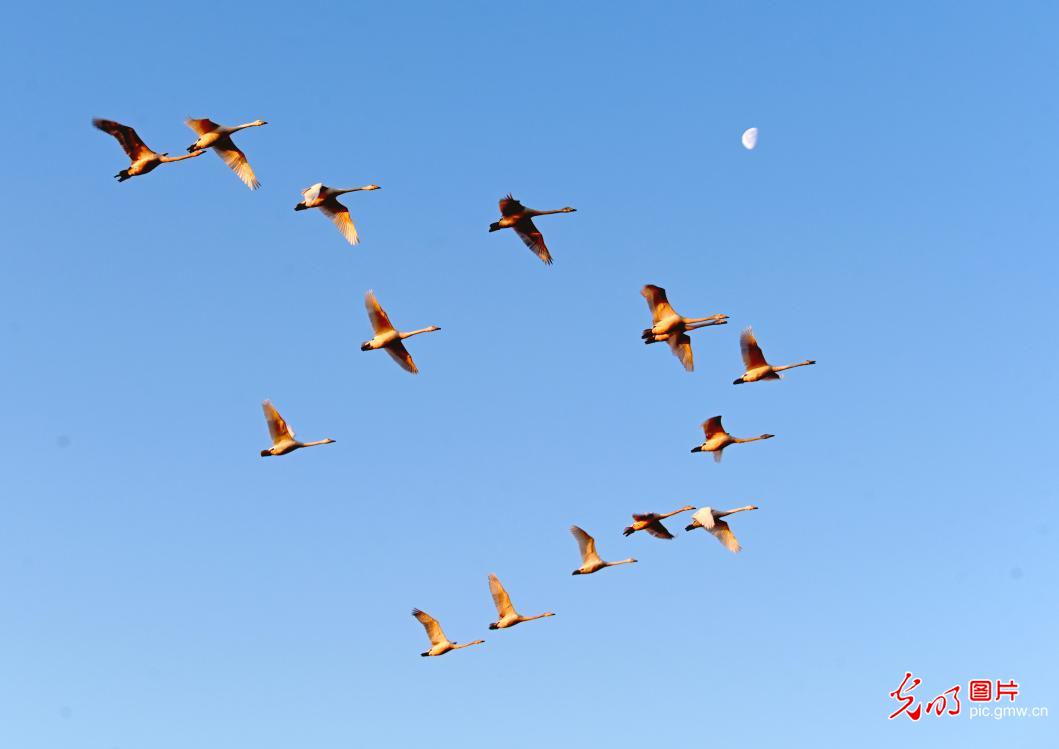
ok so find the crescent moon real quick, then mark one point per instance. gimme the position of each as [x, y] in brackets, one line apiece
[750, 139]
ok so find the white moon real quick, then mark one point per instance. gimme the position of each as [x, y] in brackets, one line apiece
[750, 139]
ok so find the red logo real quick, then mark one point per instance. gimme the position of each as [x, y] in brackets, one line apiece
[948, 702]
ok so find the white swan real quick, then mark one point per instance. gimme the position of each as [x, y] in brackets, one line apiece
[754, 361]
[508, 616]
[710, 519]
[717, 439]
[326, 199]
[219, 138]
[590, 561]
[283, 441]
[439, 643]
[386, 337]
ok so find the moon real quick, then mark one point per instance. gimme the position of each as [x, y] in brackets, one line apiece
[750, 139]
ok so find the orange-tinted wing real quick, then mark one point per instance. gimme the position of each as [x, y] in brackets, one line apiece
[277, 427]
[202, 126]
[723, 533]
[529, 234]
[657, 302]
[130, 142]
[400, 354]
[712, 426]
[658, 530]
[339, 214]
[752, 356]
[680, 345]
[510, 207]
[236, 161]
[380, 322]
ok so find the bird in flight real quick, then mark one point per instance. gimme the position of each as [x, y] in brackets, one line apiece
[516, 216]
[667, 325]
[326, 199]
[439, 643]
[710, 519]
[283, 441]
[590, 561]
[386, 337]
[143, 159]
[651, 522]
[508, 616]
[717, 439]
[219, 138]
[754, 361]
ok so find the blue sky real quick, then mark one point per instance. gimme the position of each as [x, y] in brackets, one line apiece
[166, 587]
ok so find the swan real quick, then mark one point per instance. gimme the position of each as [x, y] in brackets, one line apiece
[516, 216]
[326, 199]
[717, 439]
[219, 138]
[651, 522]
[283, 441]
[710, 519]
[667, 325]
[143, 159]
[387, 337]
[754, 361]
[590, 561]
[439, 643]
[508, 616]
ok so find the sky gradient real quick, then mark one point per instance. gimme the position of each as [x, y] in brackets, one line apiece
[165, 587]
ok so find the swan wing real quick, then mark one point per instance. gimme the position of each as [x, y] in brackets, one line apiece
[312, 192]
[510, 207]
[532, 238]
[236, 161]
[130, 142]
[752, 356]
[430, 624]
[658, 530]
[680, 345]
[339, 214]
[202, 126]
[380, 322]
[724, 534]
[704, 517]
[501, 599]
[400, 354]
[587, 545]
[277, 427]
[712, 426]
[657, 302]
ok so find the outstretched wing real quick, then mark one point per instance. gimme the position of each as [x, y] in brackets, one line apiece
[752, 356]
[312, 192]
[501, 599]
[704, 517]
[430, 624]
[400, 354]
[712, 426]
[533, 239]
[657, 302]
[236, 161]
[658, 530]
[201, 127]
[510, 207]
[339, 214]
[680, 345]
[130, 142]
[277, 427]
[380, 323]
[586, 544]
[724, 534]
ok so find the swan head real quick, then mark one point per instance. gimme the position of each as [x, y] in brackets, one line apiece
[259, 123]
[568, 209]
[371, 187]
[767, 436]
[752, 507]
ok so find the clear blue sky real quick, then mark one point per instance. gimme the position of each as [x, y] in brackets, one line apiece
[164, 587]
